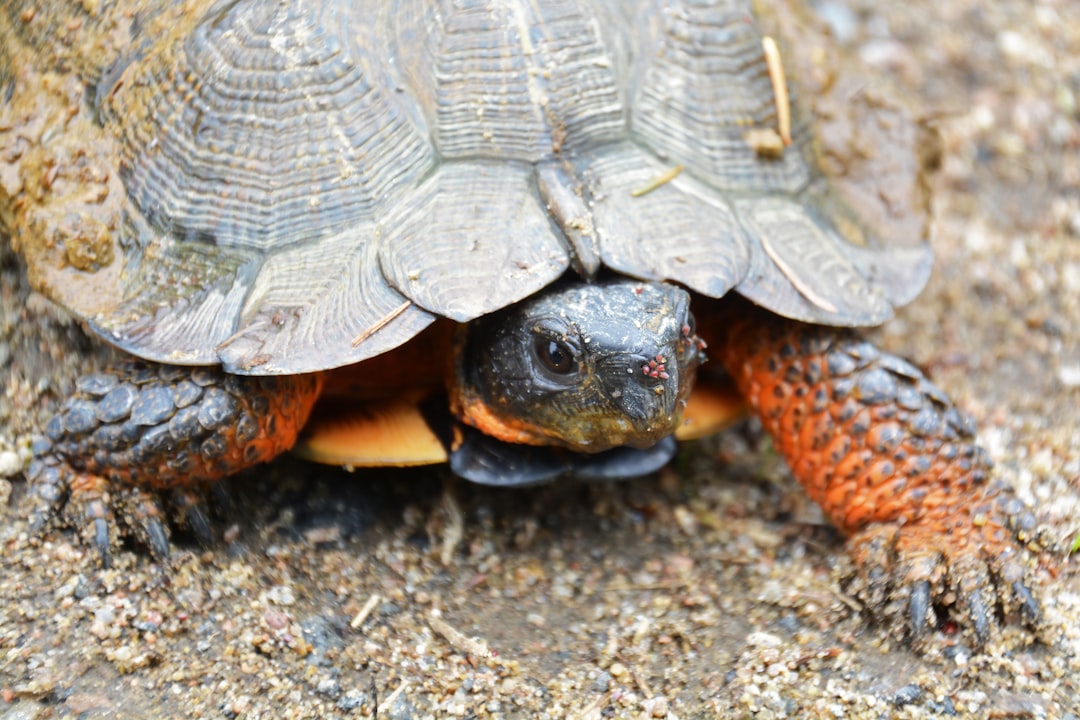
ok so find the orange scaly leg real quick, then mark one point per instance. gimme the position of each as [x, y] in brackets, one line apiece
[138, 430]
[895, 466]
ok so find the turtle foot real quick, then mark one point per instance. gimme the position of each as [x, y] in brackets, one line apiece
[973, 566]
[136, 448]
[105, 514]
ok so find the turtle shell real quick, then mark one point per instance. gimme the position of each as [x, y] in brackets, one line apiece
[284, 186]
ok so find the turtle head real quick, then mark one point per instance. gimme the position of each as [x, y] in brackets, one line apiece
[586, 366]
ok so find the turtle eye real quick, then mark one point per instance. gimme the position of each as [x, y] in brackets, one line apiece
[555, 356]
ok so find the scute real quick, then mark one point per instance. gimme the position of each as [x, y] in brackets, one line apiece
[700, 83]
[309, 183]
[325, 294]
[680, 230]
[267, 124]
[794, 250]
[511, 80]
[174, 296]
[472, 239]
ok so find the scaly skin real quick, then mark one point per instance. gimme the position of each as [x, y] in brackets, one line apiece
[140, 430]
[894, 465]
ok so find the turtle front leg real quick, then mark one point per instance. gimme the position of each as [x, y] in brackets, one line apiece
[895, 466]
[142, 432]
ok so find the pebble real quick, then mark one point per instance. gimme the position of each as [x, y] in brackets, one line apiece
[1069, 375]
[10, 464]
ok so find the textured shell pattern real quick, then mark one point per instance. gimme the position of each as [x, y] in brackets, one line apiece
[310, 183]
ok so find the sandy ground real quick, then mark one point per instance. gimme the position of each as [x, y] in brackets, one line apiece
[707, 591]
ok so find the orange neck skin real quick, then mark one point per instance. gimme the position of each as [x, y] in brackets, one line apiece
[473, 411]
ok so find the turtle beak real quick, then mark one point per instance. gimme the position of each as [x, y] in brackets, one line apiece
[653, 391]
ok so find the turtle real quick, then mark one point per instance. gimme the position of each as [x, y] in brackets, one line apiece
[515, 229]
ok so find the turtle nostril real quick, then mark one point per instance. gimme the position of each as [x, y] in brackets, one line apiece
[655, 368]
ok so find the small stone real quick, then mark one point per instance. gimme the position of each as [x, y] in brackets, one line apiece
[281, 595]
[329, 687]
[103, 625]
[351, 700]
[1069, 375]
[657, 707]
[240, 705]
[763, 639]
[9, 463]
[276, 620]
[906, 695]
[686, 521]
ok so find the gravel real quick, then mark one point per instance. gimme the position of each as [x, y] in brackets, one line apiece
[708, 590]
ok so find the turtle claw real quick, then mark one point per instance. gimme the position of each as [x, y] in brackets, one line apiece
[88, 508]
[977, 614]
[156, 537]
[62, 497]
[100, 541]
[919, 608]
[197, 521]
[189, 507]
[1029, 606]
[48, 492]
[912, 576]
[143, 514]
